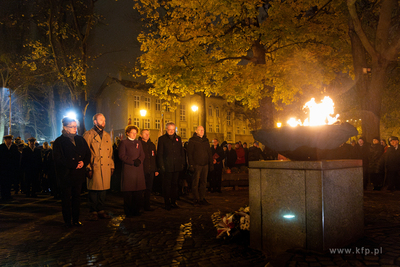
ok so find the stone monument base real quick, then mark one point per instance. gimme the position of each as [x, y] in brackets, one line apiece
[314, 205]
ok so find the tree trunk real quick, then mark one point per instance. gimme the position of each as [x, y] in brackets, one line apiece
[52, 115]
[2, 114]
[80, 106]
[369, 86]
[266, 105]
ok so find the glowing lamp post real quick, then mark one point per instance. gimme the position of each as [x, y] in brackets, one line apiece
[143, 112]
[279, 125]
[195, 108]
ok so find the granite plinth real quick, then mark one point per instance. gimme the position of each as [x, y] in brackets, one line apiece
[322, 202]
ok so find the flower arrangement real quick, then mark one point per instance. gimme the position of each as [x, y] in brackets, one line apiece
[233, 223]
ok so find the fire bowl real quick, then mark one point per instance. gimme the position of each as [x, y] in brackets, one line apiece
[306, 142]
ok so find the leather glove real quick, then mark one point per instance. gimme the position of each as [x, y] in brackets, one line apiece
[136, 162]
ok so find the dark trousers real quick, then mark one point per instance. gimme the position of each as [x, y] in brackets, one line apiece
[5, 184]
[170, 187]
[149, 177]
[32, 182]
[393, 178]
[199, 184]
[133, 201]
[96, 200]
[71, 202]
[215, 178]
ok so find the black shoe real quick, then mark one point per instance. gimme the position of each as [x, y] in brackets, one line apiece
[205, 202]
[78, 223]
[174, 206]
[196, 203]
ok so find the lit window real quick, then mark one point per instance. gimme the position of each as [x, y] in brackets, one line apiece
[158, 105]
[217, 112]
[146, 123]
[217, 128]
[210, 128]
[147, 103]
[238, 130]
[158, 124]
[229, 136]
[228, 118]
[210, 111]
[183, 132]
[136, 122]
[244, 130]
[136, 102]
[182, 113]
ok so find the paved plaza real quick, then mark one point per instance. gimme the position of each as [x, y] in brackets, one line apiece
[32, 234]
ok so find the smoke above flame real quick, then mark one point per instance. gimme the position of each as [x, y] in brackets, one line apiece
[319, 114]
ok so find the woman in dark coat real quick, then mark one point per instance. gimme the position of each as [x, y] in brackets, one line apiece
[71, 154]
[132, 179]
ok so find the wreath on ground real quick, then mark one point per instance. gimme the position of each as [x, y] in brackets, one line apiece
[232, 224]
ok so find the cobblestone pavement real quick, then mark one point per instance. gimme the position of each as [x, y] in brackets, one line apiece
[32, 234]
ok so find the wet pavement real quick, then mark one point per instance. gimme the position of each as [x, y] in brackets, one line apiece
[32, 233]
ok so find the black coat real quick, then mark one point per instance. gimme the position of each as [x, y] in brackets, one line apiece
[149, 164]
[31, 161]
[66, 157]
[9, 160]
[170, 157]
[230, 158]
[391, 160]
[199, 151]
[375, 154]
[255, 153]
[218, 155]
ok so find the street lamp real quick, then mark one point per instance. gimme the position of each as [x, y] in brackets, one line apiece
[143, 112]
[195, 108]
[279, 124]
[71, 115]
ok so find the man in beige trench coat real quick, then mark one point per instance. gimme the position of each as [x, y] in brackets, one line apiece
[100, 168]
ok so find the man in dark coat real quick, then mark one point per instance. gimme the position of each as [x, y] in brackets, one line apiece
[230, 157]
[201, 161]
[217, 153]
[246, 154]
[149, 166]
[170, 160]
[362, 149]
[31, 163]
[255, 152]
[9, 161]
[391, 163]
[376, 152]
[71, 154]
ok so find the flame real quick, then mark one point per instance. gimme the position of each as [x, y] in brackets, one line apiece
[319, 114]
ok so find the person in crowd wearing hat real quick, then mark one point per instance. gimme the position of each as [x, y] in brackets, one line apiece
[101, 167]
[9, 161]
[255, 152]
[385, 146]
[217, 155]
[45, 173]
[201, 161]
[71, 155]
[149, 166]
[170, 160]
[132, 180]
[31, 163]
[390, 162]
[19, 177]
[363, 150]
[51, 173]
[375, 154]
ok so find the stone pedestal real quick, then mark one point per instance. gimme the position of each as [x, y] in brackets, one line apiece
[314, 205]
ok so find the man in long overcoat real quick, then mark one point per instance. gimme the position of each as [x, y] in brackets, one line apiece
[9, 161]
[149, 166]
[170, 160]
[217, 153]
[201, 160]
[100, 168]
[31, 163]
